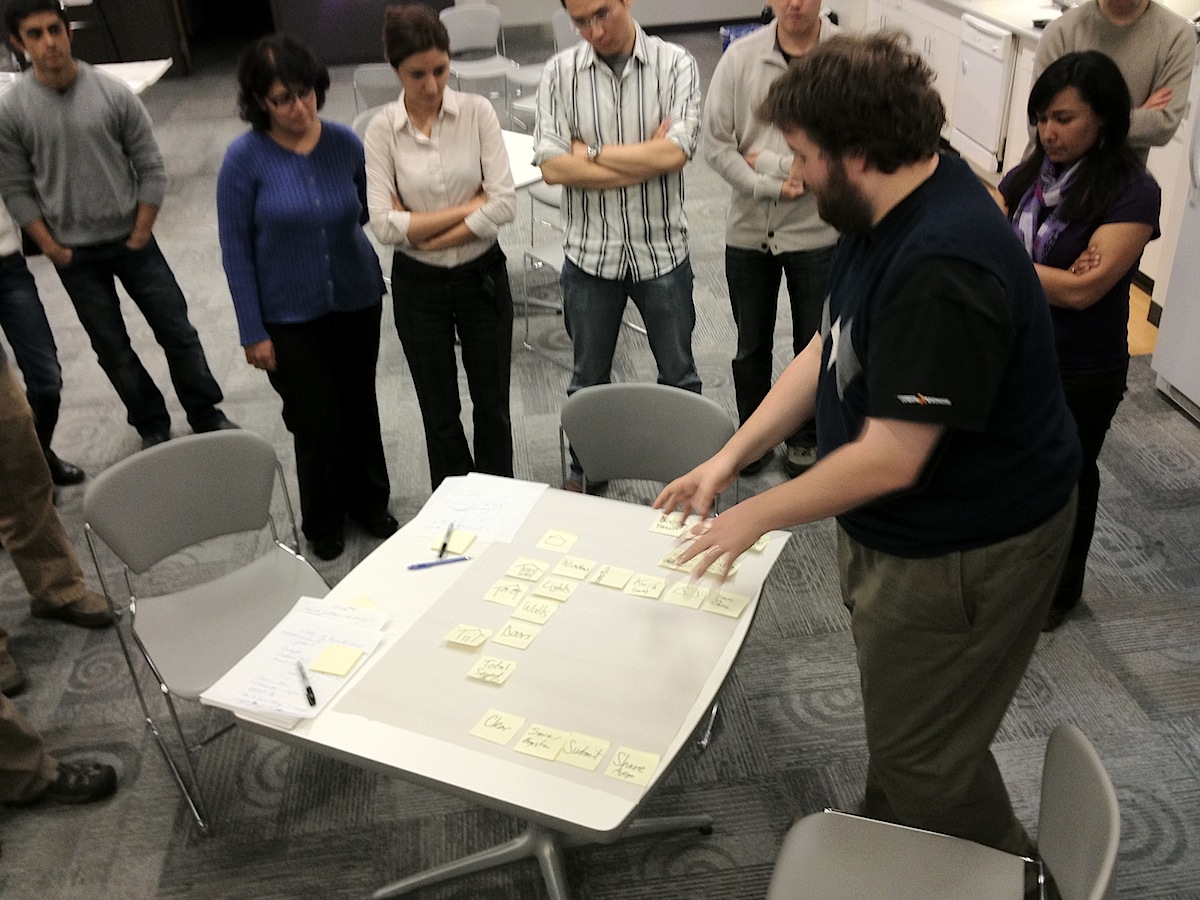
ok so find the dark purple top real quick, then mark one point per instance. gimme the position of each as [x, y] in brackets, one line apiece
[1096, 339]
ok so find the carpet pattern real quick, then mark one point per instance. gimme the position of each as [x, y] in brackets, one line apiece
[290, 823]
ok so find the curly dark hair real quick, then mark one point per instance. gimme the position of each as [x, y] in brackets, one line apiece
[1108, 162]
[282, 58]
[412, 28]
[867, 94]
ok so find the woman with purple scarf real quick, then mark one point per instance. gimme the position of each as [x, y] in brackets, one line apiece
[1085, 208]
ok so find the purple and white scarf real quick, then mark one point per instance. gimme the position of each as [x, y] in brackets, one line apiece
[1045, 193]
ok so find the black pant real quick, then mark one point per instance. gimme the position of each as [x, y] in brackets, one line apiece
[1093, 401]
[753, 277]
[325, 373]
[431, 304]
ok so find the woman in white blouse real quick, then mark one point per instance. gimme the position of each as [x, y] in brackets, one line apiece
[439, 187]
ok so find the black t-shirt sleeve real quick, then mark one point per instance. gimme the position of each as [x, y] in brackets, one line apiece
[940, 346]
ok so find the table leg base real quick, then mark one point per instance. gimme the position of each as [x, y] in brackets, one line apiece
[545, 846]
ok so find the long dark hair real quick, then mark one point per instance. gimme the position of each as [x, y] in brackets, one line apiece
[1109, 161]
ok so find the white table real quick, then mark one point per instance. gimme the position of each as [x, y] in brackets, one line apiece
[137, 75]
[378, 722]
[520, 157]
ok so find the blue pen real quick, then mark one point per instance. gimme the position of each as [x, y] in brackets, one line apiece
[438, 562]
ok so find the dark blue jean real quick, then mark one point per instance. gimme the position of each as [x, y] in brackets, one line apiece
[592, 311]
[753, 277]
[90, 280]
[28, 331]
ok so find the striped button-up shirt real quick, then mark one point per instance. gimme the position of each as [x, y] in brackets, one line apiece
[638, 231]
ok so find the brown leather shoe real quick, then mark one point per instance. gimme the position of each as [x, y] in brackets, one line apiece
[89, 611]
[574, 486]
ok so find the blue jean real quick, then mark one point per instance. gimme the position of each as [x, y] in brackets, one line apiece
[753, 277]
[592, 310]
[90, 281]
[25, 325]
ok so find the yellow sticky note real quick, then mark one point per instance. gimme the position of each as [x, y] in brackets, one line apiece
[556, 589]
[557, 541]
[535, 610]
[632, 766]
[583, 751]
[574, 567]
[726, 603]
[648, 586]
[507, 592]
[687, 594]
[671, 560]
[542, 742]
[458, 543]
[336, 659]
[611, 576]
[670, 525]
[759, 545]
[492, 669]
[514, 633]
[468, 635]
[498, 727]
[527, 569]
[363, 602]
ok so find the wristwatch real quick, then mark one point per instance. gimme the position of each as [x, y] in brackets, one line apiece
[594, 151]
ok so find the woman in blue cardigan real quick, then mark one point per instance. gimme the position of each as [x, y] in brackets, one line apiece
[306, 285]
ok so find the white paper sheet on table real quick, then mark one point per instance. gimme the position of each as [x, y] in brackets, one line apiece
[266, 682]
[489, 506]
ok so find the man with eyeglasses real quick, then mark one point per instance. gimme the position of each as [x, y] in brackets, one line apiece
[81, 172]
[618, 119]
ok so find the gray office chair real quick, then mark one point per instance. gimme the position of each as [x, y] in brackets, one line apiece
[523, 81]
[161, 502]
[374, 85]
[477, 50]
[649, 432]
[837, 856]
[544, 255]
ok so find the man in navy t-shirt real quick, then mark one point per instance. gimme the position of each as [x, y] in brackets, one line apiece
[945, 449]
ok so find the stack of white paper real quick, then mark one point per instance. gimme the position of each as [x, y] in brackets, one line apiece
[328, 639]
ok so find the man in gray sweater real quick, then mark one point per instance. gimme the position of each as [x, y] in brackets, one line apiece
[1152, 46]
[773, 227]
[81, 172]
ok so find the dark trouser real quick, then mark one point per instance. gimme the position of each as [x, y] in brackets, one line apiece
[474, 300]
[753, 277]
[24, 322]
[325, 373]
[90, 280]
[1093, 401]
[942, 645]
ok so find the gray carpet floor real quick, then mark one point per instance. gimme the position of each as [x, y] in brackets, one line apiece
[289, 823]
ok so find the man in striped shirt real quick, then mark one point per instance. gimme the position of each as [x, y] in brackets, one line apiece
[618, 119]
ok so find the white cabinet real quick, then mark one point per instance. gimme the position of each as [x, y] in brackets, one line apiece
[1018, 119]
[935, 34]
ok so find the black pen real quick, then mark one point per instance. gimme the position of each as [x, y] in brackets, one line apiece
[308, 691]
[446, 540]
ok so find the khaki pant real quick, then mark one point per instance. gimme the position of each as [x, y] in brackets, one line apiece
[942, 645]
[30, 528]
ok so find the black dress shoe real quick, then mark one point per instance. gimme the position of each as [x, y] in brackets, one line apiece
[328, 548]
[381, 525]
[62, 472]
[221, 423]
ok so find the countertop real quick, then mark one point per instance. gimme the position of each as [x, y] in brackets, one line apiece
[1018, 16]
